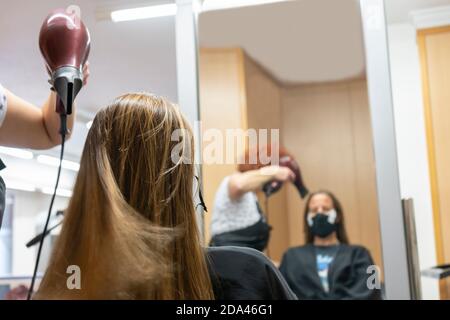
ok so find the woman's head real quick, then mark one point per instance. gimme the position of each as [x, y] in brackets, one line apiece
[130, 225]
[324, 202]
[135, 135]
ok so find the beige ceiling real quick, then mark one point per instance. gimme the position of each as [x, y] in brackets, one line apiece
[296, 41]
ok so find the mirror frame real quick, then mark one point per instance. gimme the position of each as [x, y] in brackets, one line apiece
[187, 79]
[392, 225]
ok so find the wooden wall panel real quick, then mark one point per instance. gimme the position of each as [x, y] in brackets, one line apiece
[365, 178]
[222, 106]
[434, 45]
[264, 112]
[327, 127]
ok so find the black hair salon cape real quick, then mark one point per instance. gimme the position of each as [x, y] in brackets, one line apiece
[239, 273]
[347, 274]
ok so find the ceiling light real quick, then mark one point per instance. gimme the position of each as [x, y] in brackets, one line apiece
[22, 154]
[52, 161]
[21, 186]
[144, 12]
[210, 5]
[60, 192]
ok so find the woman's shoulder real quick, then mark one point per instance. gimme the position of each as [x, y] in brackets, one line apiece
[308, 247]
[245, 273]
[237, 255]
[298, 250]
[354, 248]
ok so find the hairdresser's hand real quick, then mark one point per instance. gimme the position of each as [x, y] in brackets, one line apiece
[278, 173]
[86, 73]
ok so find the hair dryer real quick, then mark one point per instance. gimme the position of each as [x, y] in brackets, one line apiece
[64, 42]
[273, 186]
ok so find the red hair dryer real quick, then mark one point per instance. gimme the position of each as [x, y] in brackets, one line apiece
[273, 186]
[65, 43]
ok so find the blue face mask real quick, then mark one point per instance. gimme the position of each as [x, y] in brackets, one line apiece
[322, 224]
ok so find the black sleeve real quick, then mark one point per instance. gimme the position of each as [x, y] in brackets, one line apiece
[283, 267]
[239, 273]
[279, 287]
[358, 288]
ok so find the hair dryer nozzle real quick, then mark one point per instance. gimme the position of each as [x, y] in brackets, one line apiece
[302, 190]
[67, 82]
[298, 181]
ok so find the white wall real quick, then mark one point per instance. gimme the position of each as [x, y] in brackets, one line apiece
[411, 142]
[30, 208]
[30, 212]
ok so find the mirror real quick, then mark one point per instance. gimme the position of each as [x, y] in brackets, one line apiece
[294, 68]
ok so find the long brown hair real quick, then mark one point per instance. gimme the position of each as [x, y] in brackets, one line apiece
[341, 233]
[131, 226]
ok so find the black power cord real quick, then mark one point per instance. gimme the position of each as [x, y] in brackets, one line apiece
[266, 215]
[63, 132]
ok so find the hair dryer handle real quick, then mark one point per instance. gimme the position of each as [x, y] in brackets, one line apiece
[272, 187]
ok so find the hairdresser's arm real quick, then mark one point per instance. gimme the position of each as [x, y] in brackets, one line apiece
[253, 180]
[28, 126]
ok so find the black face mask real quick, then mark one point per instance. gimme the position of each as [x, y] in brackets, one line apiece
[321, 227]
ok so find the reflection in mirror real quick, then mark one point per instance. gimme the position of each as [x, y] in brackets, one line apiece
[300, 70]
[130, 56]
[419, 37]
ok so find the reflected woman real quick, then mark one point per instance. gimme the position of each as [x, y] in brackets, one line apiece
[327, 267]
